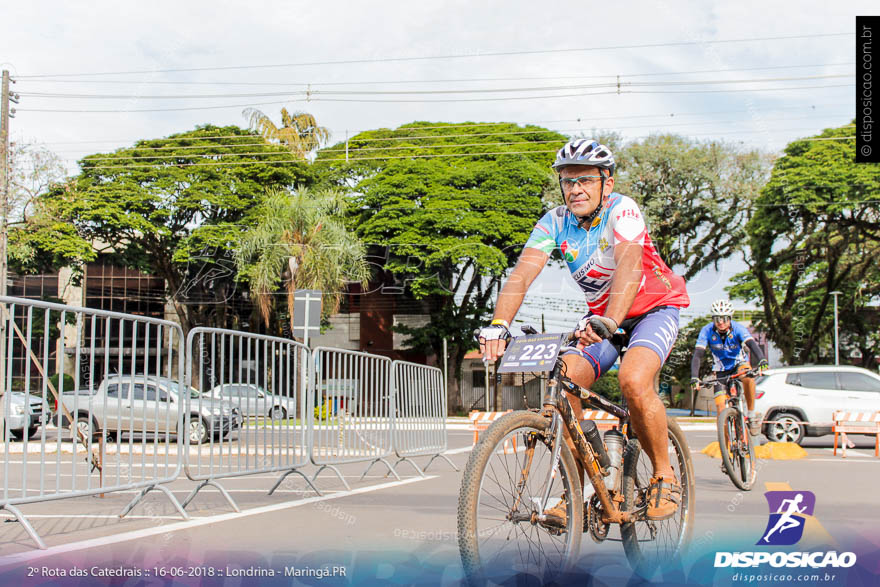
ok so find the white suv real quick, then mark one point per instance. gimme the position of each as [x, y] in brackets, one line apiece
[802, 400]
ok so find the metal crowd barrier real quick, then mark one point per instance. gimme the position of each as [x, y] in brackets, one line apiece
[248, 415]
[351, 415]
[121, 404]
[139, 405]
[420, 419]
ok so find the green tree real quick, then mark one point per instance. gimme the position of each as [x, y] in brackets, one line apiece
[452, 205]
[171, 207]
[818, 231]
[299, 239]
[697, 196]
[299, 132]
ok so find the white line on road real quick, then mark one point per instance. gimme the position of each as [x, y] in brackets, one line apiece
[13, 559]
[840, 460]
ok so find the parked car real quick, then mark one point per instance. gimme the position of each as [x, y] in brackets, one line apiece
[811, 394]
[148, 404]
[253, 400]
[26, 413]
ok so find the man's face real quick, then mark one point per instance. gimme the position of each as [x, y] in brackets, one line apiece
[722, 323]
[583, 197]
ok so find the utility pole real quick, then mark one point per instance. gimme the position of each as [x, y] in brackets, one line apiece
[4, 177]
[4, 212]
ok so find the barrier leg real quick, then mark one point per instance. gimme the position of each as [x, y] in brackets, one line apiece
[26, 525]
[445, 458]
[835, 443]
[335, 470]
[411, 462]
[146, 490]
[298, 472]
[213, 483]
[384, 462]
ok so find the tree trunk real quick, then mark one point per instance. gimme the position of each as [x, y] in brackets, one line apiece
[453, 398]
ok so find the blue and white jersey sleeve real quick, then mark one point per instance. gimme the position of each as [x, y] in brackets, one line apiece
[544, 235]
[703, 338]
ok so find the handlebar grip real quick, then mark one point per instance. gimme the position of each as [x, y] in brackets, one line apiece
[600, 328]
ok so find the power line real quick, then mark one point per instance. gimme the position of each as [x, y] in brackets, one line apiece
[448, 56]
[577, 95]
[429, 81]
[442, 100]
[317, 93]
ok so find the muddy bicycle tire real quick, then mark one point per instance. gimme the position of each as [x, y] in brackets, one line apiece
[646, 556]
[476, 502]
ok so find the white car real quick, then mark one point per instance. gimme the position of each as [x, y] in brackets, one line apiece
[801, 400]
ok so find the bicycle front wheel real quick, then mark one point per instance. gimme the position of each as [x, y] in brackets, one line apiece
[502, 491]
[737, 451]
[651, 545]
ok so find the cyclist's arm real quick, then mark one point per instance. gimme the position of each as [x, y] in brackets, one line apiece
[699, 353]
[756, 355]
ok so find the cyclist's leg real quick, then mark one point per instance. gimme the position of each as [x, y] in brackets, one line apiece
[720, 395]
[748, 384]
[650, 343]
[646, 410]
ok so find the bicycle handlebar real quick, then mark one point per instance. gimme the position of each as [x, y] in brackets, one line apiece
[712, 380]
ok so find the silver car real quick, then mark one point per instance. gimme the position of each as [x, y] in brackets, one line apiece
[253, 400]
[148, 404]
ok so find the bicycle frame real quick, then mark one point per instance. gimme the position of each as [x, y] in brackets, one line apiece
[557, 403]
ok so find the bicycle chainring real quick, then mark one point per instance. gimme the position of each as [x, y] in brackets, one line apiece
[593, 520]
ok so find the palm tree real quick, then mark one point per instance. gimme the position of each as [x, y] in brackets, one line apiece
[299, 240]
[298, 132]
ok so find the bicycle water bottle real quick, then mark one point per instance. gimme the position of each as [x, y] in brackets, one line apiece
[592, 433]
[614, 444]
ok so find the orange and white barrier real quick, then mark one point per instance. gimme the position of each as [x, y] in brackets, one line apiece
[482, 420]
[603, 420]
[856, 423]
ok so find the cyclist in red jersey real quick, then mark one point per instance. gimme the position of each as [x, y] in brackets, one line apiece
[603, 238]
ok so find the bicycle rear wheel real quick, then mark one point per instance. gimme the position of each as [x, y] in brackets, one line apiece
[502, 489]
[652, 545]
[737, 451]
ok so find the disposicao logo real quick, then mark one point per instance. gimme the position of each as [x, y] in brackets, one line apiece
[789, 511]
[787, 516]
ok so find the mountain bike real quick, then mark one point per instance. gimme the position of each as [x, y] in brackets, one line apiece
[734, 439]
[522, 464]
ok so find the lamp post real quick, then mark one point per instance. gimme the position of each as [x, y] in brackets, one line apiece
[836, 353]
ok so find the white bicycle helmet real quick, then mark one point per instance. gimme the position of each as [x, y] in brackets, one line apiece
[585, 152]
[722, 308]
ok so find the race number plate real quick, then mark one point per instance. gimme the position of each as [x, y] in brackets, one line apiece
[535, 352]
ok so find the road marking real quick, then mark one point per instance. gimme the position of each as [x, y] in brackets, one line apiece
[456, 451]
[15, 559]
[852, 452]
[840, 460]
[99, 517]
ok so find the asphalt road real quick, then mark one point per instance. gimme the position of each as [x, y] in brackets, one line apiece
[384, 530]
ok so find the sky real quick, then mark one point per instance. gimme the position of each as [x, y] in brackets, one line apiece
[760, 73]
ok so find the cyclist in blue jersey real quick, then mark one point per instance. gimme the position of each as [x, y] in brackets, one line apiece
[604, 240]
[728, 341]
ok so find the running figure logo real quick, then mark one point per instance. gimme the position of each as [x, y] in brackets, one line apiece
[788, 511]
